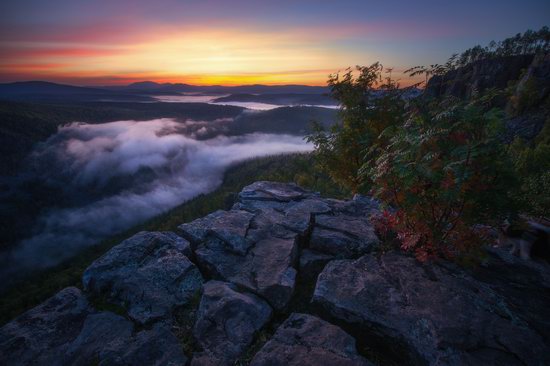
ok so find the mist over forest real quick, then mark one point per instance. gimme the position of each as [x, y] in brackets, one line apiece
[86, 181]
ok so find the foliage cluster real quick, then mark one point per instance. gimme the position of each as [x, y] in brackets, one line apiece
[440, 165]
[529, 43]
[369, 105]
[444, 171]
[531, 161]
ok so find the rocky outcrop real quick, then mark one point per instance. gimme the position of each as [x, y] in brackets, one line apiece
[436, 314]
[149, 274]
[343, 235]
[216, 294]
[305, 340]
[526, 76]
[256, 244]
[227, 321]
[528, 108]
[264, 265]
[478, 76]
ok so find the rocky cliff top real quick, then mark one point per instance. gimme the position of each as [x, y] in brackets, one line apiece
[285, 277]
[527, 76]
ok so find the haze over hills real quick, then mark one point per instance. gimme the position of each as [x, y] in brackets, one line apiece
[141, 91]
[58, 119]
[43, 90]
[151, 86]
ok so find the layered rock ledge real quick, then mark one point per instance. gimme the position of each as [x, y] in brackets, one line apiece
[286, 277]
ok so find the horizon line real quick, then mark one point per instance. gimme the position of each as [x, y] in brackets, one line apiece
[156, 82]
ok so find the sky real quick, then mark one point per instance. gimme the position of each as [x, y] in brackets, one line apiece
[235, 42]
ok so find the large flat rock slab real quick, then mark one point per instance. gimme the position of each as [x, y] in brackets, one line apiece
[305, 340]
[273, 191]
[430, 314]
[227, 322]
[267, 269]
[228, 226]
[149, 274]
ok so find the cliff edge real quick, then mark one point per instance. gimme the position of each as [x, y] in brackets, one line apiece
[286, 277]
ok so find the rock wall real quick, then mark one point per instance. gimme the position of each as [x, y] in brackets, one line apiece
[285, 277]
[479, 75]
[527, 108]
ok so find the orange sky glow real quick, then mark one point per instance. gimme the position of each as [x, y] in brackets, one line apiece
[209, 42]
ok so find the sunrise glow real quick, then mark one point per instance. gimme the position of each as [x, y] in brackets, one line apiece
[289, 43]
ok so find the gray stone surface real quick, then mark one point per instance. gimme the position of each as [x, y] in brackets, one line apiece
[156, 347]
[66, 330]
[41, 335]
[399, 310]
[227, 321]
[273, 191]
[101, 332]
[343, 235]
[148, 273]
[255, 245]
[305, 340]
[228, 226]
[432, 314]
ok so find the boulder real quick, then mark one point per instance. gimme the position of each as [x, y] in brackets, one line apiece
[228, 226]
[434, 314]
[67, 330]
[156, 346]
[255, 248]
[266, 270]
[271, 268]
[305, 340]
[101, 332]
[343, 235]
[148, 273]
[273, 191]
[108, 339]
[227, 321]
[41, 335]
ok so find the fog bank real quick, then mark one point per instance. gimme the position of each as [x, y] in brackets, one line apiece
[116, 175]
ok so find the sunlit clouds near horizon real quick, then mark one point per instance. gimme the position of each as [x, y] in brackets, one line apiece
[240, 42]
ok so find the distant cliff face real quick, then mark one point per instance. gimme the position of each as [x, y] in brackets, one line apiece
[528, 77]
[480, 75]
[286, 277]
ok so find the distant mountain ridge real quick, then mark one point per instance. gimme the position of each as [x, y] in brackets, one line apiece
[138, 92]
[151, 86]
[281, 99]
[47, 91]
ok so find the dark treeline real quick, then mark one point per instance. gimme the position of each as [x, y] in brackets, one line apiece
[528, 43]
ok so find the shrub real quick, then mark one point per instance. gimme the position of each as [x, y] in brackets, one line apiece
[369, 105]
[444, 171]
[532, 165]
